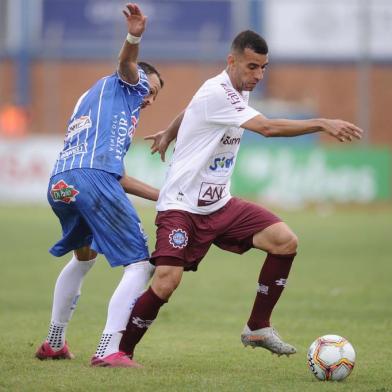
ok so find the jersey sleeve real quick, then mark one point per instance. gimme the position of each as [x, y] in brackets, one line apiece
[142, 87]
[225, 106]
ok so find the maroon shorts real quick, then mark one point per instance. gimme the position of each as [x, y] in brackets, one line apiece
[184, 238]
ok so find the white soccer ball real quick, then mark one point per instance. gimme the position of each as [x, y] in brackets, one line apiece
[331, 358]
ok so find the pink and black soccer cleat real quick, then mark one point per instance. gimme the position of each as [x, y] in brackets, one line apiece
[118, 359]
[46, 352]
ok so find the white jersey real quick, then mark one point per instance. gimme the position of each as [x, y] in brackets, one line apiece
[207, 144]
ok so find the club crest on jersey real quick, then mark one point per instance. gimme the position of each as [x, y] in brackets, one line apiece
[63, 192]
[132, 128]
[178, 238]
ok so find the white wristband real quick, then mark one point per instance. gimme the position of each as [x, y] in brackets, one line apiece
[132, 39]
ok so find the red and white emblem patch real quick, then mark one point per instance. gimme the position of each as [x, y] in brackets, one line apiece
[63, 192]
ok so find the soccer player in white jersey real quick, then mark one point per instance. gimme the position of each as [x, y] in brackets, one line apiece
[87, 193]
[195, 207]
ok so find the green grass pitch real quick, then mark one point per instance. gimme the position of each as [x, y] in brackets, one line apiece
[340, 283]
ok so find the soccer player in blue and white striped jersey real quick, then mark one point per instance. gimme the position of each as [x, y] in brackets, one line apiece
[87, 192]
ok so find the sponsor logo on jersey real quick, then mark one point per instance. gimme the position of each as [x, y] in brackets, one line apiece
[62, 192]
[79, 149]
[143, 233]
[118, 135]
[221, 164]
[262, 289]
[78, 125]
[232, 96]
[239, 108]
[180, 196]
[210, 193]
[228, 140]
[178, 238]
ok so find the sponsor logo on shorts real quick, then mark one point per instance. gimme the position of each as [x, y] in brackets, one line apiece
[78, 125]
[262, 289]
[222, 164]
[79, 149]
[210, 193]
[178, 238]
[63, 192]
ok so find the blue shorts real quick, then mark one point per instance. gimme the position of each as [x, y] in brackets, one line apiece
[94, 210]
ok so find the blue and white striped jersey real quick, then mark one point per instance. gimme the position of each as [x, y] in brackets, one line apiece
[102, 125]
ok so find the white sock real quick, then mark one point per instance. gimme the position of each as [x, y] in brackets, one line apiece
[56, 336]
[108, 344]
[65, 298]
[131, 286]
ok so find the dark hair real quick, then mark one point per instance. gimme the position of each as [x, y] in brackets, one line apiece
[150, 69]
[251, 40]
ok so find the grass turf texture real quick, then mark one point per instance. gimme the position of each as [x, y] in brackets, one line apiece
[340, 284]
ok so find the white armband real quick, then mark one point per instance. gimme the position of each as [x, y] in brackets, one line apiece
[132, 39]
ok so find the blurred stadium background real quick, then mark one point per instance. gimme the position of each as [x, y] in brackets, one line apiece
[327, 58]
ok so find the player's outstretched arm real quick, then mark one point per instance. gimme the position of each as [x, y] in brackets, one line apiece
[135, 187]
[127, 60]
[161, 140]
[339, 129]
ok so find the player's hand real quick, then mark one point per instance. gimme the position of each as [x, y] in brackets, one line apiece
[342, 130]
[136, 21]
[160, 143]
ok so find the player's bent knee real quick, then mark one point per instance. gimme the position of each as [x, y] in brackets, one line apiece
[292, 244]
[85, 253]
[287, 243]
[166, 279]
[276, 239]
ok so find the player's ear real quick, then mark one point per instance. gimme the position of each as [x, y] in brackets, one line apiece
[230, 59]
